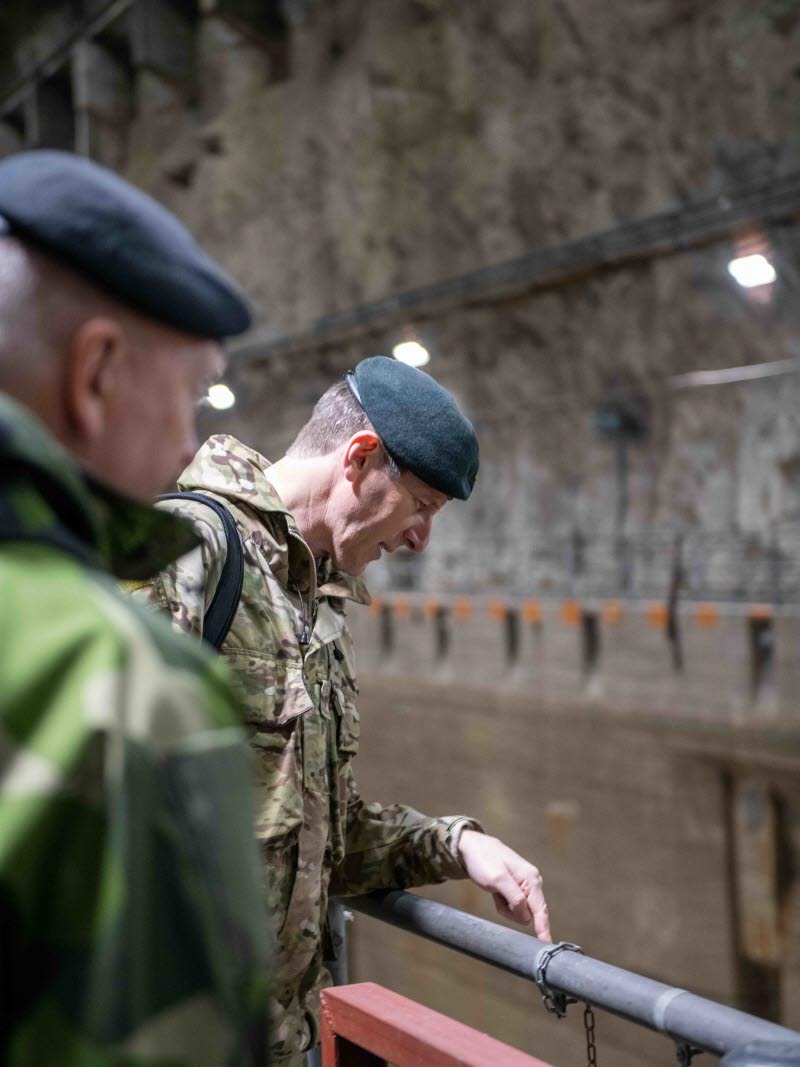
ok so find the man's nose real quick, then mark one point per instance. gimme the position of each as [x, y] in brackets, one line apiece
[418, 535]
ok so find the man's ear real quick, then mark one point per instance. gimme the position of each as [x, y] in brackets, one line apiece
[94, 375]
[362, 451]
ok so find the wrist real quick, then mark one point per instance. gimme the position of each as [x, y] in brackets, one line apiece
[466, 836]
[455, 827]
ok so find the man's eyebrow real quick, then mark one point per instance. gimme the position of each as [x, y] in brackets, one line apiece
[434, 502]
[427, 496]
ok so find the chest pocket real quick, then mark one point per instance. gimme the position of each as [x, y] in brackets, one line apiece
[273, 699]
[344, 737]
[348, 721]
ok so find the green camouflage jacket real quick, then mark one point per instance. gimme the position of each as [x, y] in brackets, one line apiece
[131, 909]
[299, 702]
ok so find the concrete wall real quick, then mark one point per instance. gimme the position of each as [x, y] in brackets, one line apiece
[335, 153]
[544, 652]
[618, 777]
[627, 816]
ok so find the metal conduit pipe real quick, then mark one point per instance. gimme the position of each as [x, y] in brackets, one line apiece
[693, 225]
[681, 1015]
[61, 54]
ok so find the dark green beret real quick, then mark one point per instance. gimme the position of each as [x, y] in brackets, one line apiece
[419, 423]
[120, 239]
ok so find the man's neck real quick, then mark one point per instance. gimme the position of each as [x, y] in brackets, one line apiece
[303, 486]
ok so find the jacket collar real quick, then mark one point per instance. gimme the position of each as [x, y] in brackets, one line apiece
[232, 470]
[46, 497]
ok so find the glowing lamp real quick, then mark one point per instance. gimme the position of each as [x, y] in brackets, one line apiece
[221, 397]
[750, 271]
[412, 353]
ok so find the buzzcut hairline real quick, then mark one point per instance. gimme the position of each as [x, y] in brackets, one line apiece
[337, 416]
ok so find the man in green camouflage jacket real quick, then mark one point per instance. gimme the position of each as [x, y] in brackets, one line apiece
[309, 525]
[131, 908]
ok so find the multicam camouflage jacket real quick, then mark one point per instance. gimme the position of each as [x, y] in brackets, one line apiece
[131, 909]
[299, 703]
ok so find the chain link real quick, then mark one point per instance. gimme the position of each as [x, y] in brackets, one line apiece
[591, 1047]
[554, 1001]
[557, 1002]
[686, 1053]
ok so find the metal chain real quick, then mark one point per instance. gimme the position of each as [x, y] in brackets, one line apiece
[588, 1024]
[555, 1002]
[686, 1053]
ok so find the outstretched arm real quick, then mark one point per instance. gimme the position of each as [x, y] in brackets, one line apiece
[396, 847]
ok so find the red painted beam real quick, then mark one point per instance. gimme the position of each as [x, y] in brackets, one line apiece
[365, 1024]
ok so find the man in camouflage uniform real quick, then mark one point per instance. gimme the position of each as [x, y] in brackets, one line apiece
[309, 526]
[131, 910]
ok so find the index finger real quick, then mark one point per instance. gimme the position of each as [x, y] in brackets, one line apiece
[538, 909]
[512, 898]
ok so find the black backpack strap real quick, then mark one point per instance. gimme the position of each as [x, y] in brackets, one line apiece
[218, 618]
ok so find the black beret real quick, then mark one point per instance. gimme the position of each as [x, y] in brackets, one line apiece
[120, 239]
[419, 423]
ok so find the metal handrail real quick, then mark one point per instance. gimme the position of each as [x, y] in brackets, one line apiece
[90, 26]
[689, 1020]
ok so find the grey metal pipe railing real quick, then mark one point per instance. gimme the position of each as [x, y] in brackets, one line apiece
[682, 1016]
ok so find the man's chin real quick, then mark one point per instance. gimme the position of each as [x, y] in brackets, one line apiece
[347, 566]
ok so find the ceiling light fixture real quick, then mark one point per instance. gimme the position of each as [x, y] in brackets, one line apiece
[221, 397]
[412, 353]
[751, 271]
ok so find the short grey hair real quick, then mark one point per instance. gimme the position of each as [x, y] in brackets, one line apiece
[42, 303]
[27, 314]
[337, 415]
